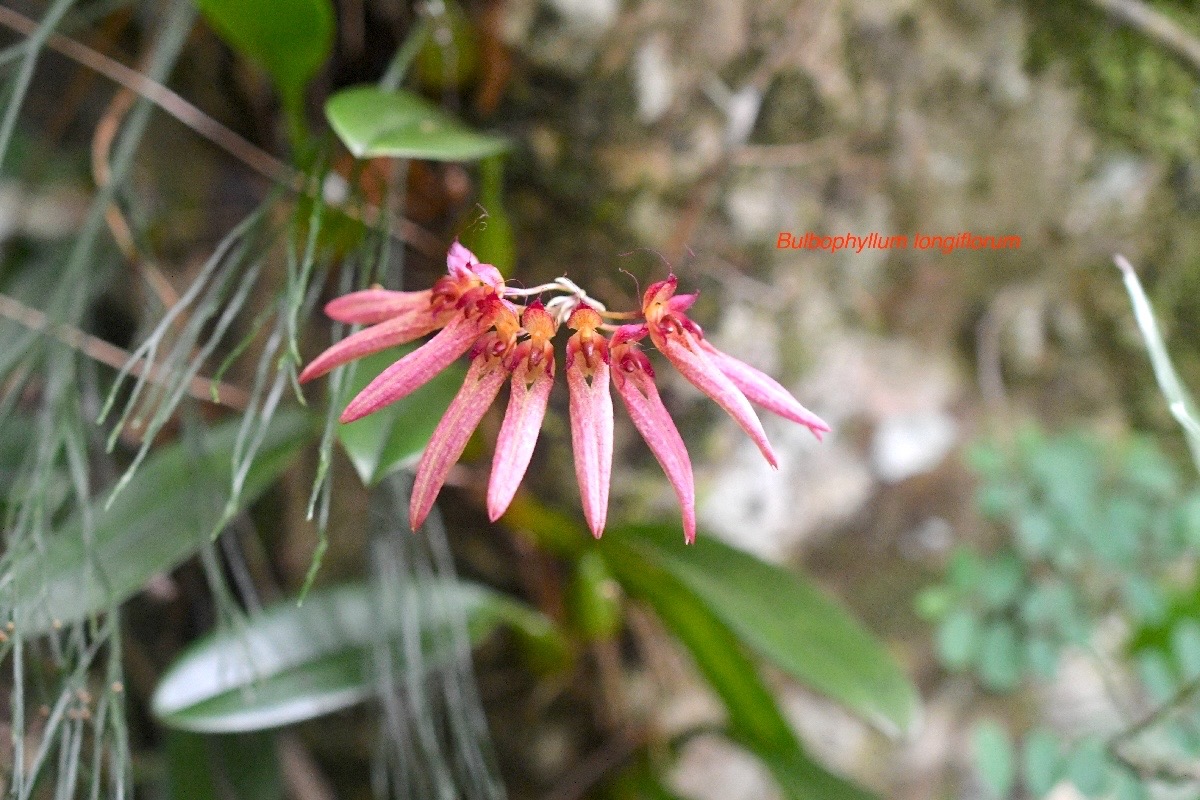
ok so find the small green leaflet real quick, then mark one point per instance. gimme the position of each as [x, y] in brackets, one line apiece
[374, 123]
[290, 39]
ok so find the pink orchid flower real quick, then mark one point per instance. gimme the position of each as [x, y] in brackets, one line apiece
[472, 310]
[728, 381]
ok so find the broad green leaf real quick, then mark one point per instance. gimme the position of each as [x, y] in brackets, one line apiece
[167, 512]
[755, 721]
[189, 773]
[390, 438]
[994, 755]
[290, 39]
[785, 620]
[294, 663]
[374, 123]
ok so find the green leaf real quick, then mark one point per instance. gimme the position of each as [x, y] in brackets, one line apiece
[934, 602]
[1001, 582]
[997, 500]
[639, 782]
[449, 61]
[380, 443]
[987, 459]
[1185, 642]
[1035, 533]
[755, 721]
[1042, 762]
[1041, 657]
[594, 599]
[965, 570]
[785, 620]
[1187, 520]
[1130, 787]
[375, 123]
[1147, 468]
[999, 656]
[294, 663]
[1156, 674]
[166, 513]
[958, 638]
[290, 39]
[1088, 767]
[994, 755]
[1146, 599]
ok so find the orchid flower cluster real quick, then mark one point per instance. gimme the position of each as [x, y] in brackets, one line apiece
[472, 309]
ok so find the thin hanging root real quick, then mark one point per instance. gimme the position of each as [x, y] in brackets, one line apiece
[107, 353]
[106, 133]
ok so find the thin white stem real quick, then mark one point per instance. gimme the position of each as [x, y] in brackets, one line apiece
[562, 305]
[576, 290]
[545, 287]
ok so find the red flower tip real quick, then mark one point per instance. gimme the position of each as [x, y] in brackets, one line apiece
[660, 291]
[629, 333]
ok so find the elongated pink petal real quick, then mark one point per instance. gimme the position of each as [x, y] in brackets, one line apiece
[706, 377]
[518, 435]
[415, 369]
[592, 439]
[478, 391]
[377, 305]
[400, 330]
[764, 390]
[650, 417]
